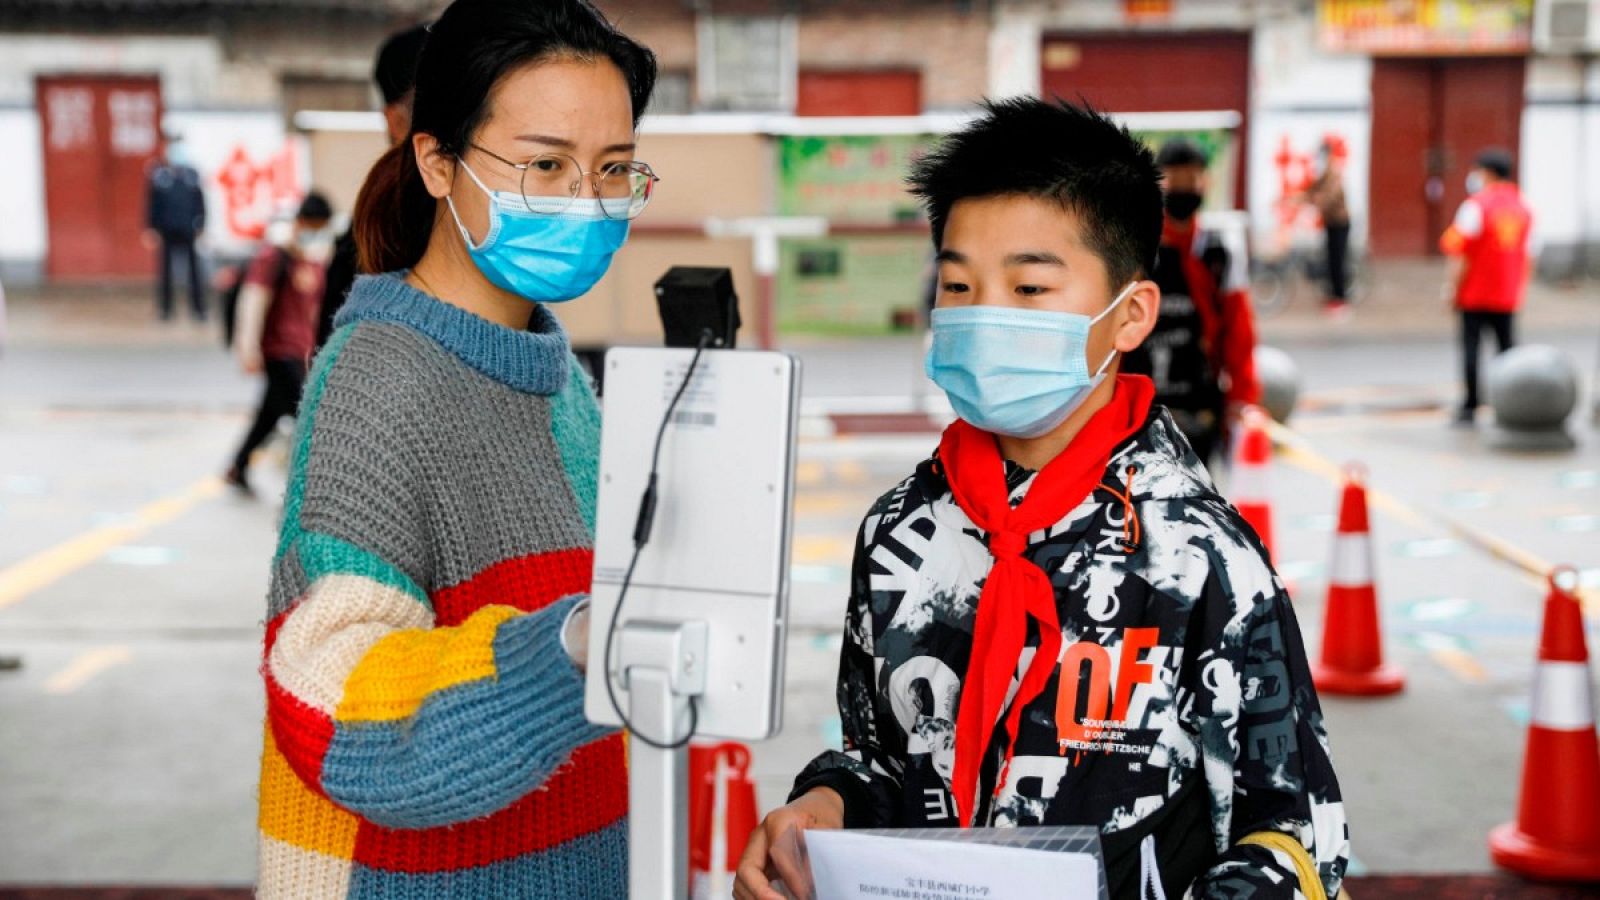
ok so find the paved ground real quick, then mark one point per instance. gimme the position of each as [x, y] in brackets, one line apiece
[132, 586]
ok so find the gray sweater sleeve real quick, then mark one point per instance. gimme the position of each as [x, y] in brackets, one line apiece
[406, 720]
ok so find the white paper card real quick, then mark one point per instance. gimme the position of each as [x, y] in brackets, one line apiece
[849, 865]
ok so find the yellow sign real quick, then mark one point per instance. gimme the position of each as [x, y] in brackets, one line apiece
[1426, 27]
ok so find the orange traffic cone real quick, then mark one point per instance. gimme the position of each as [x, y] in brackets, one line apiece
[1251, 477]
[1557, 831]
[739, 819]
[1352, 642]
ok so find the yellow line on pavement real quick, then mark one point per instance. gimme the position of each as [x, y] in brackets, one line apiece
[49, 566]
[85, 666]
[1297, 452]
[1300, 455]
[1463, 665]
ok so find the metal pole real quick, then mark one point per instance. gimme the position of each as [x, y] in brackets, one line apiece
[663, 667]
[658, 813]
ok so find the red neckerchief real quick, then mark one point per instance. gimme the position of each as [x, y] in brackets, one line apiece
[1016, 589]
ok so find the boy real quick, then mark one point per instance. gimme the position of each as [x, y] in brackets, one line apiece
[1201, 354]
[1162, 692]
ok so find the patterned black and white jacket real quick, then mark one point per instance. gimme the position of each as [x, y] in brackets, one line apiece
[1180, 719]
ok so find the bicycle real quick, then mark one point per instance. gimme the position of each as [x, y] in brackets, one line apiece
[1276, 281]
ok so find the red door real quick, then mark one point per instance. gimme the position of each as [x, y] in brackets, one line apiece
[1430, 118]
[891, 92]
[1155, 72]
[100, 134]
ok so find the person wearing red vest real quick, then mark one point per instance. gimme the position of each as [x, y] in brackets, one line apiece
[1201, 355]
[1488, 246]
[1056, 620]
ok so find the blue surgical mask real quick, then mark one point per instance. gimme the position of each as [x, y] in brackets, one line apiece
[544, 258]
[1017, 372]
[1474, 182]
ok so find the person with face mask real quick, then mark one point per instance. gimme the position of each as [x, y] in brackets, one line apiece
[1056, 620]
[276, 321]
[1201, 355]
[1487, 245]
[427, 617]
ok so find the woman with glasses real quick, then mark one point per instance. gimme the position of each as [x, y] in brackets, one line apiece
[425, 733]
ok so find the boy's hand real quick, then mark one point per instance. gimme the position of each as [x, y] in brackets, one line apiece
[817, 808]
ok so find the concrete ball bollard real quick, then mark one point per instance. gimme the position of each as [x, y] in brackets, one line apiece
[1533, 389]
[1280, 382]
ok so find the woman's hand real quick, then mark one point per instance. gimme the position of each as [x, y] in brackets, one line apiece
[817, 808]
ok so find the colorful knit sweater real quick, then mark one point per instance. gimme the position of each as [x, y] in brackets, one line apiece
[425, 733]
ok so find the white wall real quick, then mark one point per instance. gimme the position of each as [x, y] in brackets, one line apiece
[22, 232]
[1560, 165]
[1014, 44]
[1299, 95]
[214, 137]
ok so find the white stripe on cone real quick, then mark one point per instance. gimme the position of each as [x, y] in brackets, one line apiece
[1561, 698]
[1352, 561]
[1249, 484]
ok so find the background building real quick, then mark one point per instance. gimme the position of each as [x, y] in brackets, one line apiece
[1406, 93]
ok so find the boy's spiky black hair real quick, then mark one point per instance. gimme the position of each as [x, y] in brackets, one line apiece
[1056, 150]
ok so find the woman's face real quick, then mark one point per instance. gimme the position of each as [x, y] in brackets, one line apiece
[568, 107]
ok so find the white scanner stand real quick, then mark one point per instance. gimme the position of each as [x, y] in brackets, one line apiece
[705, 612]
[663, 668]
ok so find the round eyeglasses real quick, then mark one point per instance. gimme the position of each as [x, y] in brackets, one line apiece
[551, 182]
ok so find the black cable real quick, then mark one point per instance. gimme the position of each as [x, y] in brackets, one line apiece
[641, 536]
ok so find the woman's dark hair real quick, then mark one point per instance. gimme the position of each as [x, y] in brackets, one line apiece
[473, 45]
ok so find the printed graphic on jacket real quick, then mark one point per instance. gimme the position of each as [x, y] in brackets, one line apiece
[1181, 711]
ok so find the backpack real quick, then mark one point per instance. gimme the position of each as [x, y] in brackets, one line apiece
[228, 300]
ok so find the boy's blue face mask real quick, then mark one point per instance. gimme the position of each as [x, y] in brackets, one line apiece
[544, 258]
[1016, 372]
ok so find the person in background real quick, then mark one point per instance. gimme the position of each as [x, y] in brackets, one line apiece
[395, 73]
[275, 328]
[1327, 195]
[175, 215]
[1489, 265]
[1201, 355]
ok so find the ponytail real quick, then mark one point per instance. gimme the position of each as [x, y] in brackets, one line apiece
[394, 213]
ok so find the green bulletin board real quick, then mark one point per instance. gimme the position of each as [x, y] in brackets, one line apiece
[853, 178]
[850, 285]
